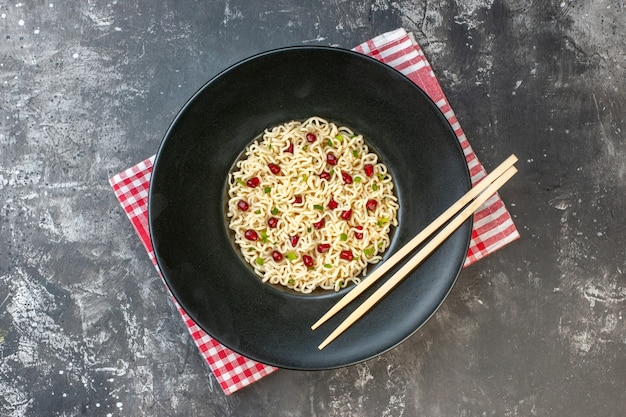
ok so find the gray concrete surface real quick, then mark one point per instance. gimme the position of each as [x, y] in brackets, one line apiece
[88, 88]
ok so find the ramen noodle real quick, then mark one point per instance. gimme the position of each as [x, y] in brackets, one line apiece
[310, 206]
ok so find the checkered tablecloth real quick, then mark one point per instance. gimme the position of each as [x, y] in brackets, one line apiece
[493, 226]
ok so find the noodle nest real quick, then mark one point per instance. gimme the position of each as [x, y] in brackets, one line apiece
[310, 206]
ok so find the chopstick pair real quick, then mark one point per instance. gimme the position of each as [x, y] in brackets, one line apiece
[465, 207]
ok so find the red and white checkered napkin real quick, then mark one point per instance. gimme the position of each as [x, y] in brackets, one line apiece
[493, 226]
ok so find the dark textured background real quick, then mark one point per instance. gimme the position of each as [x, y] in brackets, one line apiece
[88, 89]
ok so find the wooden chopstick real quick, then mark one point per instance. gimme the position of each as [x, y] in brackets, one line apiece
[420, 256]
[417, 240]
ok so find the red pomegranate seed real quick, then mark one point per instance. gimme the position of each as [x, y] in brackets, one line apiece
[358, 235]
[253, 182]
[272, 222]
[289, 148]
[310, 137]
[347, 178]
[242, 205]
[323, 247]
[332, 204]
[320, 224]
[371, 205]
[251, 234]
[369, 169]
[346, 255]
[274, 168]
[277, 256]
[297, 200]
[346, 214]
[331, 158]
[308, 261]
[325, 175]
[293, 240]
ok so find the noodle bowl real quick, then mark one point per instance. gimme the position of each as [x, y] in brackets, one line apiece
[310, 206]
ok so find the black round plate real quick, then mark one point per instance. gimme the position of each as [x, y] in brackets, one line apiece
[188, 188]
